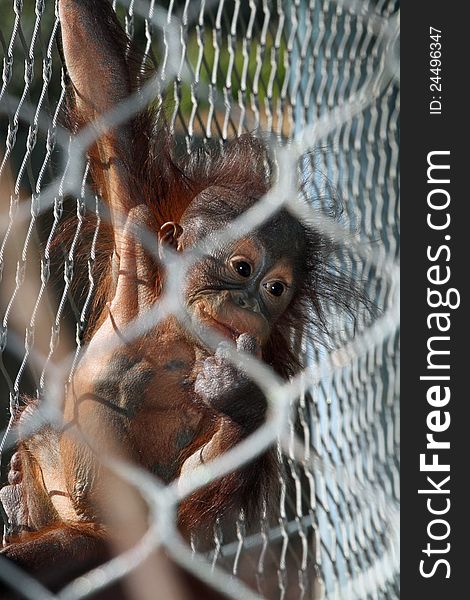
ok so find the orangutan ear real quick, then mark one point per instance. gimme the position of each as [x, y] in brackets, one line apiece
[168, 236]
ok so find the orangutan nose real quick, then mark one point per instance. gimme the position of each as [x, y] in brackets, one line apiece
[245, 300]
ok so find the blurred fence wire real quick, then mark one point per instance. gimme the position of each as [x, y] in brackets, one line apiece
[315, 74]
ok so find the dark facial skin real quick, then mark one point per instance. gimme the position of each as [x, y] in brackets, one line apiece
[246, 285]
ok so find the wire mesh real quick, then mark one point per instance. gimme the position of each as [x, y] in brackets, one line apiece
[315, 74]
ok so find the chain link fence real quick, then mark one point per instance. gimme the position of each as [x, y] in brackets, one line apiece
[316, 75]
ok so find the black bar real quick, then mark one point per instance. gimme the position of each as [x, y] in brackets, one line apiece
[428, 128]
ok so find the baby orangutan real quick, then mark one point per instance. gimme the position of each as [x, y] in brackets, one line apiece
[163, 401]
[166, 400]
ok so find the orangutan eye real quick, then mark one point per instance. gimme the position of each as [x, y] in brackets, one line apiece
[275, 288]
[242, 268]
